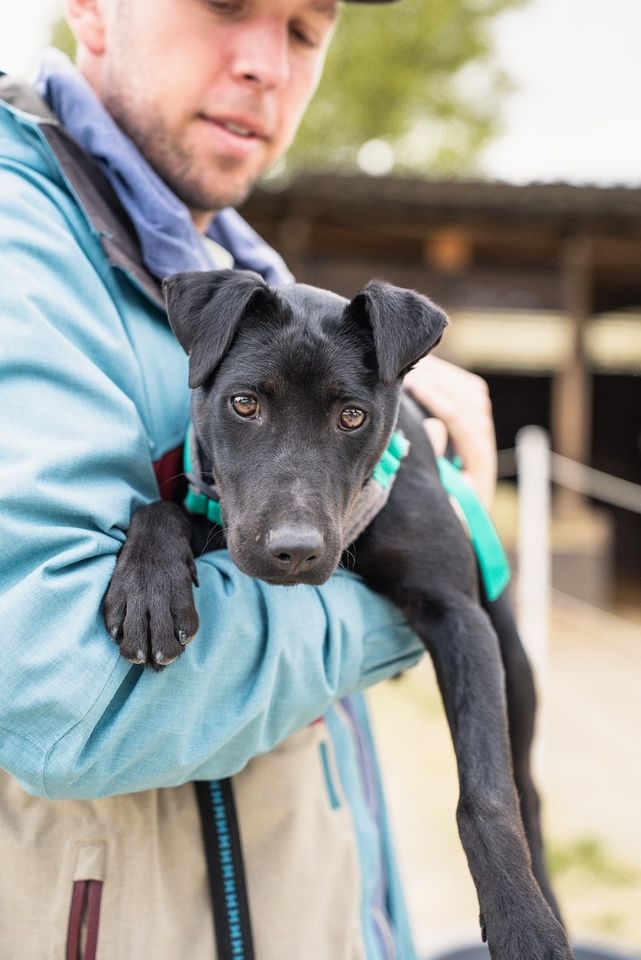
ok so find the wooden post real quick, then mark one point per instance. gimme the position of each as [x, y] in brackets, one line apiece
[293, 240]
[572, 386]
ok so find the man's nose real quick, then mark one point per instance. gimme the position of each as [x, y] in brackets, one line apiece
[262, 53]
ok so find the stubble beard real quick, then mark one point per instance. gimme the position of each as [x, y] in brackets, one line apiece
[173, 162]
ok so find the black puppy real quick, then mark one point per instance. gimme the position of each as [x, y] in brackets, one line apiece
[296, 394]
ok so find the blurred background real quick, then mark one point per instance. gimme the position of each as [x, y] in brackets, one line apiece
[488, 153]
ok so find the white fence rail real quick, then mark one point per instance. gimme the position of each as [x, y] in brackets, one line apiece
[576, 476]
[594, 483]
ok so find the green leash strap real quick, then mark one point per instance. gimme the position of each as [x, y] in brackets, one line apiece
[493, 562]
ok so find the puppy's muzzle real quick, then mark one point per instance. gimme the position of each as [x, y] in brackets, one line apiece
[294, 550]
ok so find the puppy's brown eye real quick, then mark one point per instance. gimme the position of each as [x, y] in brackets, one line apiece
[351, 418]
[247, 407]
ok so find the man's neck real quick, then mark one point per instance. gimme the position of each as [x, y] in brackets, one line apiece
[203, 219]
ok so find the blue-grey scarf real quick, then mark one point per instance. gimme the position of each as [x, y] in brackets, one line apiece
[168, 238]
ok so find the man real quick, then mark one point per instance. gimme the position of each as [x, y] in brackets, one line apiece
[110, 178]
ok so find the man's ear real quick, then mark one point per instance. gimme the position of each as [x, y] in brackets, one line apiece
[405, 326]
[205, 309]
[87, 21]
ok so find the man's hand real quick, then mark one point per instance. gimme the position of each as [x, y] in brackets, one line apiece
[460, 402]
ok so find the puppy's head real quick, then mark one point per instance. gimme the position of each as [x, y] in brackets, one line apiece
[296, 396]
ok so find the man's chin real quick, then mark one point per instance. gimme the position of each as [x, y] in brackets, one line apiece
[205, 198]
[203, 205]
[228, 183]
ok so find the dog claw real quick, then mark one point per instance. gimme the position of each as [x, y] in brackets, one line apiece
[160, 660]
[140, 657]
[183, 639]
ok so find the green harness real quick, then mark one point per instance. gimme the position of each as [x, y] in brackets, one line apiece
[202, 499]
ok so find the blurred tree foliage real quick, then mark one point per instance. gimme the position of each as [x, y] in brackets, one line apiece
[421, 75]
[63, 38]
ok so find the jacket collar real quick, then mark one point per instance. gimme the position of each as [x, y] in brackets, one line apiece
[87, 182]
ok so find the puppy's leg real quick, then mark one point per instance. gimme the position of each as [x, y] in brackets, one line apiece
[149, 606]
[521, 709]
[519, 923]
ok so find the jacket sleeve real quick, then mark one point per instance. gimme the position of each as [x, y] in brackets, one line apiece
[76, 720]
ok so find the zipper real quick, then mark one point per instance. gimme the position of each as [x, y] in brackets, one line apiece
[84, 920]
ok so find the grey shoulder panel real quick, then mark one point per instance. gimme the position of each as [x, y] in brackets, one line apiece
[24, 96]
[92, 189]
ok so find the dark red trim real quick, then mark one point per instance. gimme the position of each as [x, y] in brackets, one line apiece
[75, 920]
[170, 476]
[94, 896]
[85, 904]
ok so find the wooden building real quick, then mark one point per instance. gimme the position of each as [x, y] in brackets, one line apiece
[543, 284]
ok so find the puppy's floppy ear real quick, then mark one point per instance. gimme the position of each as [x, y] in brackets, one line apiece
[205, 309]
[405, 325]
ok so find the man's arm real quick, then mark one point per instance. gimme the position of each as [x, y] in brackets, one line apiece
[78, 428]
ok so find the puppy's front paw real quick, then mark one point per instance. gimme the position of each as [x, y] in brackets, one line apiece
[537, 936]
[149, 606]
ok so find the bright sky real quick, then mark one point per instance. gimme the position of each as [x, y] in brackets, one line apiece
[576, 115]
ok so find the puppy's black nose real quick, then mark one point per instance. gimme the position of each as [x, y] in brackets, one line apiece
[295, 549]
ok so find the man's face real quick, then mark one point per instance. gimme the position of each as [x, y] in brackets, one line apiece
[212, 92]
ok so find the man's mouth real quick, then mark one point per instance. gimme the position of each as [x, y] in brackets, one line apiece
[237, 128]
[246, 128]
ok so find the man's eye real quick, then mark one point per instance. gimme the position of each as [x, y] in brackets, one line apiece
[303, 36]
[246, 407]
[351, 418]
[223, 6]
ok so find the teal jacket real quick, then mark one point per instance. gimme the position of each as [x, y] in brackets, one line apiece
[93, 392]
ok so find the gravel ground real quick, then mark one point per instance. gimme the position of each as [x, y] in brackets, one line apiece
[589, 758]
